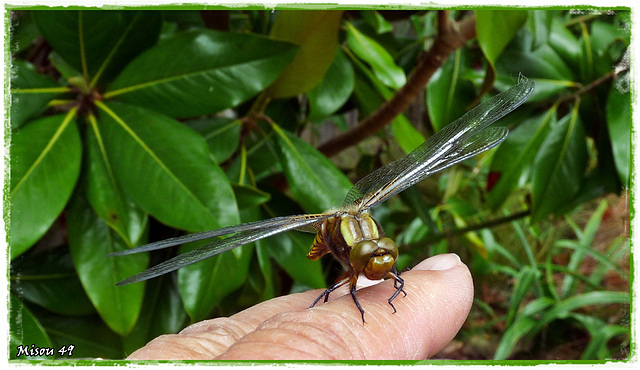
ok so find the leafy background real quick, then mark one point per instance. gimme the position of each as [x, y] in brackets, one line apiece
[133, 126]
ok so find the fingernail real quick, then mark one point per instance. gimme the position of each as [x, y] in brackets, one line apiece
[440, 262]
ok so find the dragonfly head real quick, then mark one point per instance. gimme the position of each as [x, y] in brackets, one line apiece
[374, 258]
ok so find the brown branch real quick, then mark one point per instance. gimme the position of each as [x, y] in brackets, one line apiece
[591, 86]
[452, 35]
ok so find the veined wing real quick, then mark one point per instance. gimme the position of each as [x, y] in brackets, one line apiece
[464, 138]
[243, 234]
[275, 222]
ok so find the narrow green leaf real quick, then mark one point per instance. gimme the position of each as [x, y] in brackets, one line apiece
[524, 281]
[200, 72]
[515, 155]
[317, 34]
[45, 165]
[90, 241]
[381, 62]
[104, 194]
[559, 166]
[334, 89]
[619, 124]
[30, 92]
[166, 168]
[24, 330]
[315, 182]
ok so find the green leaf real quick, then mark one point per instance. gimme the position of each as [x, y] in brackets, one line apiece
[317, 34]
[90, 336]
[99, 42]
[105, 196]
[494, 29]
[30, 92]
[376, 21]
[559, 166]
[448, 95]
[222, 134]
[334, 90]
[45, 165]
[203, 284]
[50, 281]
[543, 63]
[290, 251]
[619, 124]
[200, 72]
[515, 155]
[381, 62]
[249, 196]
[564, 43]
[166, 168]
[90, 242]
[524, 281]
[24, 330]
[315, 182]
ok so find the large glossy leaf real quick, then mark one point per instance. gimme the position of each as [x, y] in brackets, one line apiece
[200, 72]
[448, 95]
[99, 42]
[290, 251]
[515, 155]
[317, 34]
[494, 29]
[45, 164]
[315, 182]
[24, 330]
[563, 42]
[89, 335]
[381, 62]
[50, 281]
[558, 168]
[334, 89]
[166, 168]
[110, 203]
[203, 284]
[222, 134]
[542, 63]
[619, 124]
[90, 242]
[30, 92]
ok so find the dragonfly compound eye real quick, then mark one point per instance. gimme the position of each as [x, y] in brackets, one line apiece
[374, 258]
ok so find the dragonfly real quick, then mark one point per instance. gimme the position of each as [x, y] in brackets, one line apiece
[349, 232]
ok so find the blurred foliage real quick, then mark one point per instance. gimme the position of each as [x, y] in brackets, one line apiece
[128, 127]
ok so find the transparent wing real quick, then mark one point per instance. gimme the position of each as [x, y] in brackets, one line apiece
[275, 222]
[243, 234]
[464, 138]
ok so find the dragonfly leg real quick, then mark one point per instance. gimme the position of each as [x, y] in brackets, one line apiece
[328, 291]
[352, 290]
[398, 283]
[397, 280]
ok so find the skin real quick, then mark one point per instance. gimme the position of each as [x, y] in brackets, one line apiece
[439, 296]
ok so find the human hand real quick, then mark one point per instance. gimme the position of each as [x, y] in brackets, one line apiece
[439, 296]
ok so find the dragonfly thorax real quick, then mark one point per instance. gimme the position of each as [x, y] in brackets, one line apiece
[357, 241]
